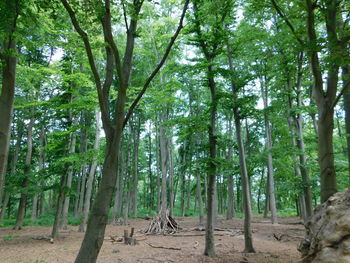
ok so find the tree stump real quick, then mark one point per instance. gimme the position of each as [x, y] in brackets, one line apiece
[128, 239]
[328, 232]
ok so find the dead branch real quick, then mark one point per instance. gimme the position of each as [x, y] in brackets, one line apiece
[172, 248]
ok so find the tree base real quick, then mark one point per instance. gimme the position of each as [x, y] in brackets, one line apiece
[163, 223]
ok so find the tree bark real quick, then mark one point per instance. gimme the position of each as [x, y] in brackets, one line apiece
[41, 161]
[135, 179]
[72, 143]
[13, 167]
[325, 100]
[271, 180]
[9, 63]
[91, 176]
[346, 97]
[248, 238]
[230, 202]
[27, 170]
[164, 161]
[84, 167]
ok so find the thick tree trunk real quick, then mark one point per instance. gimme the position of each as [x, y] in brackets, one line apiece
[96, 226]
[346, 97]
[91, 176]
[27, 170]
[9, 63]
[4, 205]
[13, 167]
[325, 100]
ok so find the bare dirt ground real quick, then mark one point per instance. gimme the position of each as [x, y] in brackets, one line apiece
[25, 245]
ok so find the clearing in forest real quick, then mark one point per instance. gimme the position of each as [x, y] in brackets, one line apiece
[274, 244]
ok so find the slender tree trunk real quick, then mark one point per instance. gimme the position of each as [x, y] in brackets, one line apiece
[91, 176]
[230, 204]
[171, 177]
[158, 166]
[72, 143]
[199, 191]
[209, 234]
[135, 170]
[9, 63]
[248, 239]
[60, 200]
[118, 197]
[271, 180]
[150, 174]
[83, 149]
[27, 170]
[164, 161]
[41, 167]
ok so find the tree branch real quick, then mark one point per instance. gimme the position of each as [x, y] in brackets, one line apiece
[289, 24]
[103, 103]
[343, 90]
[159, 66]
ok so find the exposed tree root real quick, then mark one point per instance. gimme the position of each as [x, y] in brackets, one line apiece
[163, 223]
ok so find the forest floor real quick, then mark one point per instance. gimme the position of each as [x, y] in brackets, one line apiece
[274, 244]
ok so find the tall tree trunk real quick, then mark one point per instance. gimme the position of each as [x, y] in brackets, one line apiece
[27, 170]
[41, 161]
[9, 63]
[158, 166]
[150, 174]
[84, 167]
[118, 197]
[4, 205]
[135, 179]
[164, 161]
[325, 100]
[91, 176]
[199, 190]
[72, 143]
[230, 203]
[209, 234]
[248, 239]
[58, 214]
[13, 167]
[346, 97]
[171, 177]
[271, 180]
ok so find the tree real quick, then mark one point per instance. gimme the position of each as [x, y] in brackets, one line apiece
[10, 11]
[113, 128]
